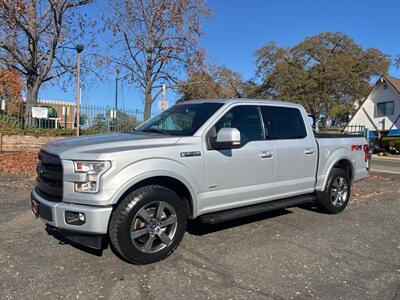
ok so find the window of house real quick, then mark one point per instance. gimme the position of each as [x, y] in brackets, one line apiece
[283, 122]
[384, 109]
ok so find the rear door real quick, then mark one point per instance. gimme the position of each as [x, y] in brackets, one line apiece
[295, 150]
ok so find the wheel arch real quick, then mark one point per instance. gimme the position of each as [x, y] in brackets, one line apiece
[184, 190]
[343, 163]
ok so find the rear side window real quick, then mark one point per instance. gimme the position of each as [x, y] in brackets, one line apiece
[283, 122]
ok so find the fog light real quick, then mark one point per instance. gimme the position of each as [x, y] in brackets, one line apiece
[75, 218]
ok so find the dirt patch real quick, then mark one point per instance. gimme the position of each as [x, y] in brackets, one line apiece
[374, 186]
[17, 162]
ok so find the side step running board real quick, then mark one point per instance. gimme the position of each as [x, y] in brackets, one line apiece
[222, 216]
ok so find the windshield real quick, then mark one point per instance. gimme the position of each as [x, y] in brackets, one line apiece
[180, 119]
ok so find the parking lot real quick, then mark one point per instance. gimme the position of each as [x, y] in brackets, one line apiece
[298, 253]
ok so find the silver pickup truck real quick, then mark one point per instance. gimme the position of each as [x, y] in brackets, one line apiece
[215, 160]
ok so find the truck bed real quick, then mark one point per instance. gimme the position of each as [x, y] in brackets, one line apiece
[348, 147]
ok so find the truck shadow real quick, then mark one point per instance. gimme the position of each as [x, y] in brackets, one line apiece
[64, 241]
[313, 207]
[194, 227]
[197, 227]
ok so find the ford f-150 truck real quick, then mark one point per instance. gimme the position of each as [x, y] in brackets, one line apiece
[214, 159]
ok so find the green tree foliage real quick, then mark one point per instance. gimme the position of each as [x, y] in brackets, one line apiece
[83, 119]
[326, 73]
[99, 123]
[123, 122]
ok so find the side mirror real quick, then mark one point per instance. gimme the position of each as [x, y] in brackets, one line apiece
[310, 121]
[227, 138]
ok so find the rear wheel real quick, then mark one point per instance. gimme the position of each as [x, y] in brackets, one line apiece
[336, 195]
[148, 224]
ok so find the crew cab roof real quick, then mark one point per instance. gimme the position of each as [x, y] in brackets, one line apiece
[244, 101]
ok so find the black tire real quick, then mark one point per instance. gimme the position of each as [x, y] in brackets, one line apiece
[325, 199]
[129, 213]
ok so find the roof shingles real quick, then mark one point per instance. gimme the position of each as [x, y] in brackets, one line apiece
[393, 81]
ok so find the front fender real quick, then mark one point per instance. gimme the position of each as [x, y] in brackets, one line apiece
[148, 168]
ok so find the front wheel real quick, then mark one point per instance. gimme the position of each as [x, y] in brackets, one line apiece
[336, 195]
[148, 224]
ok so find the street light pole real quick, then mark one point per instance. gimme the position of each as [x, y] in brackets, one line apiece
[79, 49]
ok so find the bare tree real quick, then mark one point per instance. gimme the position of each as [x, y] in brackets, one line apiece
[34, 39]
[212, 82]
[156, 40]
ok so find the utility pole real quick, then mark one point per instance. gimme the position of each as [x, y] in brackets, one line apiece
[163, 101]
[164, 91]
[116, 100]
[116, 90]
[79, 49]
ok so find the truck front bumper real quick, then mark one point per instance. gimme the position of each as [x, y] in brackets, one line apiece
[94, 220]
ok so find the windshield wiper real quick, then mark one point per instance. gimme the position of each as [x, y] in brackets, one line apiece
[156, 130]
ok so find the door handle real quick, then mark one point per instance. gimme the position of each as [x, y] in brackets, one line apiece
[309, 151]
[266, 154]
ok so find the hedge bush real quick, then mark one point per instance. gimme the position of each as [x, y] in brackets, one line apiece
[8, 122]
[44, 132]
[390, 141]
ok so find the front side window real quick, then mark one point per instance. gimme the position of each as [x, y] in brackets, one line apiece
[181, 119]
[246, 119]
[384, 109]
[283, 122]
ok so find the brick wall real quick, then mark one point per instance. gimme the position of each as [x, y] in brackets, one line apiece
[24, 143]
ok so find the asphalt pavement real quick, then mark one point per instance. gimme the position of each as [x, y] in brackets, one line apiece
[298, 253]
[382, 164]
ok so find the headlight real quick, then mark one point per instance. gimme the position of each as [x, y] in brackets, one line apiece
[93, 171]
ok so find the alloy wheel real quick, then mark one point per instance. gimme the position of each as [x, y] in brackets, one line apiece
[154, 227]
[339, 191]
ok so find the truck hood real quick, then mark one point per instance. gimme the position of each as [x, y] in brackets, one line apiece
[91, 146]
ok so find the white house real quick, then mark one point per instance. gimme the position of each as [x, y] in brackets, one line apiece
[380, 111]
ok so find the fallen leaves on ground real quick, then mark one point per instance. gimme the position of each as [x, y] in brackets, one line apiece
[16, 162]
[375, 185]
[379, 178]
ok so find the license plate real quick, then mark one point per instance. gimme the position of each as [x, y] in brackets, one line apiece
[35, 208]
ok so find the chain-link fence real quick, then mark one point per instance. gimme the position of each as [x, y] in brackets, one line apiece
[49, 114]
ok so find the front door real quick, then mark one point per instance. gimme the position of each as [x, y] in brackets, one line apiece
[239, 176]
